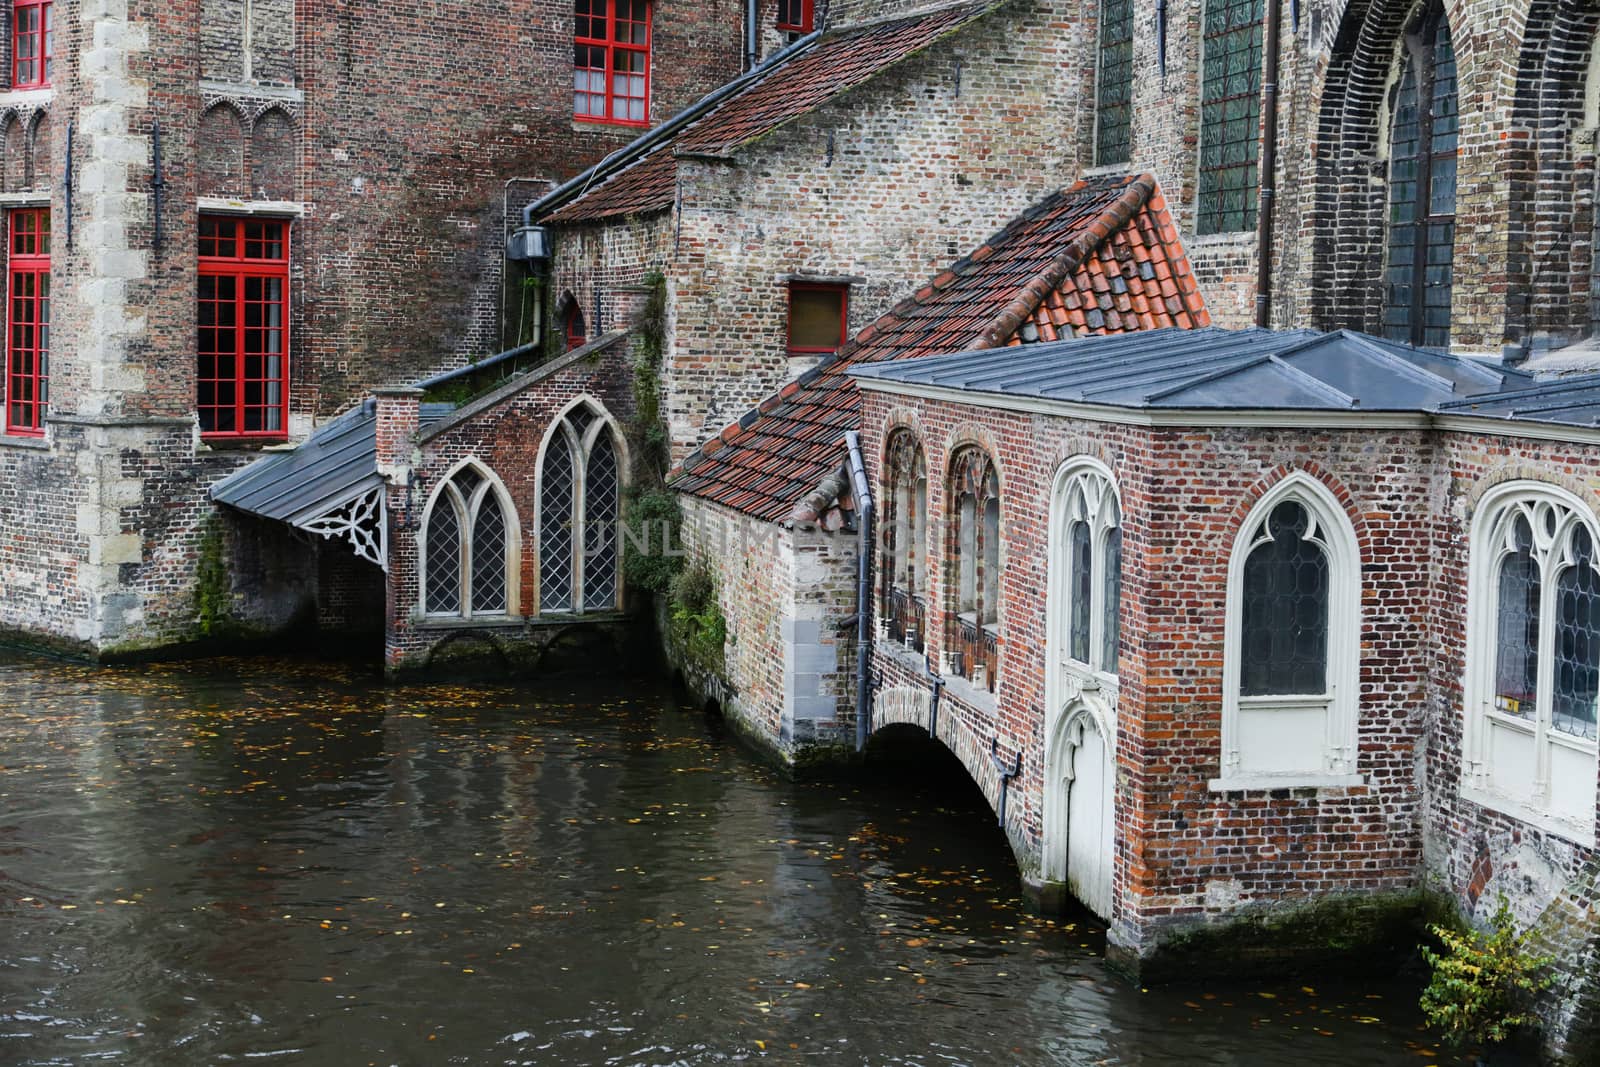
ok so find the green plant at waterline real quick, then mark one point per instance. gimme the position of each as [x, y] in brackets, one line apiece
[213, 593]
[698, 624]
[1483, 985]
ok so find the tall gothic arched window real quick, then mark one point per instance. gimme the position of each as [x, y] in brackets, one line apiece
[1421, 223]
[580, 494]
[470, 548]
[973, 626]
[1091, 561]
[902, 569]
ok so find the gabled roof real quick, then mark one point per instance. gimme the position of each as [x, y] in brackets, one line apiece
[1216, 369]
[643, 177]
[1100, 257]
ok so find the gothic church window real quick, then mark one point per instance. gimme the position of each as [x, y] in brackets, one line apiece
[1292, 643]
[1113, 88]
[581, 477]
[1230, 116]
[905, 535]
[973, 626]
[469, 548]
[611, 61]
[1090, 531]
[1533, 676]
[1421, 233]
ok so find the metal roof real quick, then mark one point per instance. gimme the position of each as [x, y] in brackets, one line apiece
[1571, 401]
[1251, 369]
[337, 463]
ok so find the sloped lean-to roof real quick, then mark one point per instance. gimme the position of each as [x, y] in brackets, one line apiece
[1100, 257]
[643, 176]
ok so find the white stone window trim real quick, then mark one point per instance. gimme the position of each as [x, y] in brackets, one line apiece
[1492, 520]
[227, 205]
[466, 517]
[581, 448]
[1336, 535]
[25, 98]
[1068, 677]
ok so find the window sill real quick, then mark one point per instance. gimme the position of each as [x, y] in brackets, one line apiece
[969, 694]
[1578, 833]
[582, 123]
[243, 444]
[1242, 240]
[1263, 782]
[476, 622]
[17, 440]
[32, 96]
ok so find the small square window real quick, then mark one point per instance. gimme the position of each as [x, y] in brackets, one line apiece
[817, 316]
[796, 16]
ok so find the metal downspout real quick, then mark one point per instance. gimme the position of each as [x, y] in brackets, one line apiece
[862, 489]
[751, 47]
[1269, 163]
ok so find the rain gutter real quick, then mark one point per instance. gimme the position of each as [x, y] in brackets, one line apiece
[862, 489]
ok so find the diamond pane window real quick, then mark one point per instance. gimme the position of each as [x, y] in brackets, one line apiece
[1285, 613]
[611, 61]
[580, 513]
[1420, 242]
[242, 386]
[471, 546]
[903, 527]
[1230, 116]
[27, 378]
[1113, 88]
[1111, 626]
[973, 626]
[1577, 651]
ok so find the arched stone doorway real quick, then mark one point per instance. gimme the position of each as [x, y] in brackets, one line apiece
[1080, 810]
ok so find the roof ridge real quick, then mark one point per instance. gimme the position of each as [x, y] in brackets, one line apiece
[1140, 190]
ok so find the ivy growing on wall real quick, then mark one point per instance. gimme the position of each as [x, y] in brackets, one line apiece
[652, 513]
[213, 593]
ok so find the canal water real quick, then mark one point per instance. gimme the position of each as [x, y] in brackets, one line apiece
[282, 863]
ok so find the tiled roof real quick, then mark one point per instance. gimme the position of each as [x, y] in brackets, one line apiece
[1220, 370]
[1100, 257]
[804, 79]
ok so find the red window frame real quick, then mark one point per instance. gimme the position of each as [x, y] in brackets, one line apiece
[796, 16]
[27, 320]
[33, 43]
[844, 316]
[573, 327]
[607, 45]
[242, 370]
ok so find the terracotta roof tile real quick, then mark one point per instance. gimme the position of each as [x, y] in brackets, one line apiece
[1041, 276]
[835, 63]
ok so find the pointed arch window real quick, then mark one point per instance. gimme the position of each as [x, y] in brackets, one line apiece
[973, 619]
[1533, 681]
[581, 477]
[1291, 656]
[902, 570]
[1091, 557]
[1421, 235]
[469, 548]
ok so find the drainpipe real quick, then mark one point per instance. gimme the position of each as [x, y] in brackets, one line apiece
[1269, 163]
[751, 34]
[863, 495]
[1005, 772]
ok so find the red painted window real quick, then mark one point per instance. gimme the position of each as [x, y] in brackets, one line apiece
[32, 43]
[796, 16]
[243, 379]
[611, 61]
[576, 333]
[818, 313]
[28, 320]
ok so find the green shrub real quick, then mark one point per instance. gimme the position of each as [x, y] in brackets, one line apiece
[697, 620]
[1483, 984]
[653, 519]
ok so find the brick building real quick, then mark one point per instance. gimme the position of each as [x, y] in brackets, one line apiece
[227, 220]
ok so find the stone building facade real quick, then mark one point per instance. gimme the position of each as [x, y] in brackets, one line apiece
[256, 213]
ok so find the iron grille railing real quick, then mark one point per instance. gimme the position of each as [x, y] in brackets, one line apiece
[976, 650]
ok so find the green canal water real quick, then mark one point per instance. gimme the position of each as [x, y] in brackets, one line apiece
[281, 863]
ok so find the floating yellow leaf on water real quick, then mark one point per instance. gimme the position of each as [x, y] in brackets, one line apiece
[762, 1045]
[1267, 996]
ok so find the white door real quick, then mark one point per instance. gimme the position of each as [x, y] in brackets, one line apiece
[1091, 831]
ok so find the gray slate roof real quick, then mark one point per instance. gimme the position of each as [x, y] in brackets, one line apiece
[1569, 401]
[1214, 368]
[335, 464]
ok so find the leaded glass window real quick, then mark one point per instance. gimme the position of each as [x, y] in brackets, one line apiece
[1091, 535]
[580, 493]
[1230, 116]
[1533, 670]
[1420, 242]
[903, 536]
[1113, 124]
[1284, 642]
[468, 547]
[973, 637]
